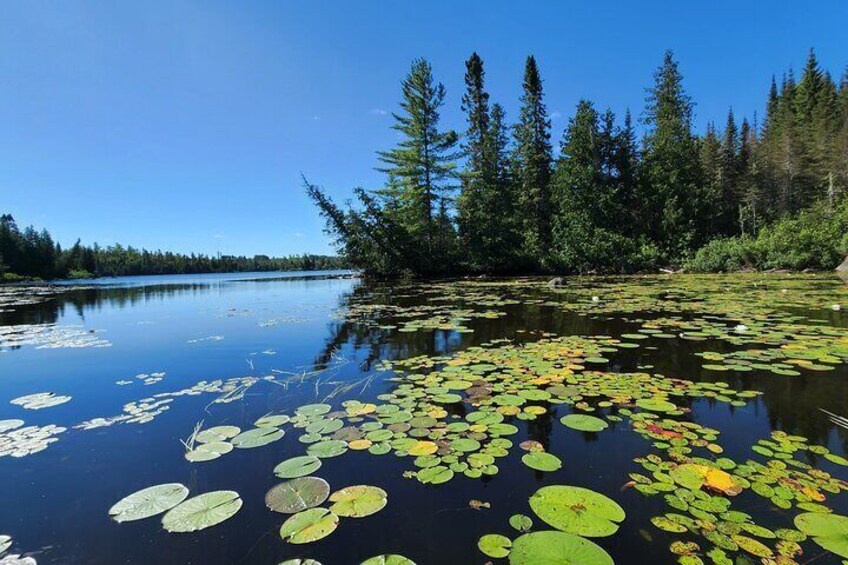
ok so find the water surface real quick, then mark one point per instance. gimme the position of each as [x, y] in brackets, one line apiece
[322, 339]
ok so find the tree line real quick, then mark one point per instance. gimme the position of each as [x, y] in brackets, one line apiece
[30, 253]
[497, 198]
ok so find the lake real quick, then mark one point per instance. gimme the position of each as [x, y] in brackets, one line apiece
[688, 411]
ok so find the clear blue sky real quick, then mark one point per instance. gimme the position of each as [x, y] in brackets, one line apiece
[185, 125]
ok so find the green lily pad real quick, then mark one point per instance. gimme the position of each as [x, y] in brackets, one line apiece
[312, 410]
[541, 461]
[577, 510]
[309, 525]
[435, 475]
[656, 405]
[521, 522]
[390, 559]
[297, 467]
[358, 501]
[328, 448]
[556, 548]
[272, 421]
[830, 531]
[297, 495]
[494, 545]
[217, 433]
[148, 502]
[584, 423]
[202, 511]
[257, 437]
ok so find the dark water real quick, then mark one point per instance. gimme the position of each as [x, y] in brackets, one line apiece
[54, 503]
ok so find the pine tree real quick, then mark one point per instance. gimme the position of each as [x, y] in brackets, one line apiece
[533, 158]
[670, 178]
[423, 164]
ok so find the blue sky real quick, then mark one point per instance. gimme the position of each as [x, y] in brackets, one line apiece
[185, 125]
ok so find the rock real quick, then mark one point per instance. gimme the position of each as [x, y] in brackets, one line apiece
[842, 270]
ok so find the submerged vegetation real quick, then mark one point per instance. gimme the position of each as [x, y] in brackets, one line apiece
[497, 198]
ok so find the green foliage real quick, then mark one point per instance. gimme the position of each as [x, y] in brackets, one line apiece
[815, 239]
[742, 197]
[486, 211]
[532, 161]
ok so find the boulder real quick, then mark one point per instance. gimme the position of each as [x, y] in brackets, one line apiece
[842, 270]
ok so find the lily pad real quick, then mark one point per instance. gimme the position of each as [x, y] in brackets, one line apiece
[390, 559]
[556, 548]
[309, 525]
[577, 510]
[541, 461]
[297, 495]
[358, 501]
[828, 530]
[202, 511]
[297, 467]
[494, 545]
[217, 433]
[257, 437]
[328, 448]
[148, 502]
[521, 522]
[584, 423]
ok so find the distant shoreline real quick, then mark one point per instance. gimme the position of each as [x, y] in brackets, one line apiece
[118, 280]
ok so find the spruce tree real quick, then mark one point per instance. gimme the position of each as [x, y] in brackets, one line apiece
[477, 176]
[533, 158]
[627, 165]
[575, 189]
[727, 202]
[710, 154]
[670, 178]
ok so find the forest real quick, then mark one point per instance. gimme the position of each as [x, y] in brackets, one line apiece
[29, 253]
[767, 192]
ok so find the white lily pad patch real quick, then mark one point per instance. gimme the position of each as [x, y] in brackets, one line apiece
[40, 400]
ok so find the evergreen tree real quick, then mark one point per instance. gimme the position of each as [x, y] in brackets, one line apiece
[477, 178]
[670, 172]
[423, 164]
[710, 152]
[627, 165]
[728, 197]
[841, 144]
[533, 158]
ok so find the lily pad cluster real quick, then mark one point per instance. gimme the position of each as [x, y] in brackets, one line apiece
[182, 514]
[701, 491]
[12, 558]
[309, 522]
[49, 336]
[17, 440]
[40, 400]
[576, 513]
